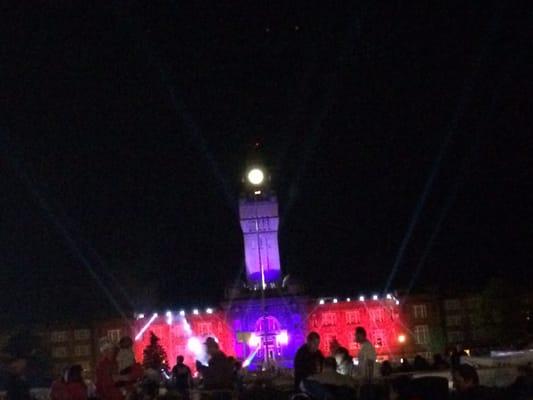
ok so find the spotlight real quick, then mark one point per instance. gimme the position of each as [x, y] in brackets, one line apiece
[254, 340]
[283, 338]
[182, 313]
[140, 316]
[256, 176]
[195, 311]
[375, 297]
[168, 314]
[401, 338]
[335, 301]
[361, 298]
[321, 301]
[209, 310]
[389, 296]
[348, 299]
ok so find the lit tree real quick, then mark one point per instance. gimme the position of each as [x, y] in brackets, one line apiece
[154, 355]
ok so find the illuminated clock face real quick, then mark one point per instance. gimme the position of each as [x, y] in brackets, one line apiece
[256, 176]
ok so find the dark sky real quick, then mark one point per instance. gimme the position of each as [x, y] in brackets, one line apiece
[126, 126]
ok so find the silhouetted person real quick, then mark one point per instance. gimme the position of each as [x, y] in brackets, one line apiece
[344, 361]
[76, 387]
[385, 369]
[455, 358]
[16, 386]
[420, 363]
[182, 377]
[366, 356]
[439, 363]
[329, 384]
[466, 384]
[308, 359]
[219, 372]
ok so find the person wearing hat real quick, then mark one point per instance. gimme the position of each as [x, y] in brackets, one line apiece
[218, 374]
[106, 369]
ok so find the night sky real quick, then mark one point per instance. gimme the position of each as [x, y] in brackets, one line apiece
[126, 127]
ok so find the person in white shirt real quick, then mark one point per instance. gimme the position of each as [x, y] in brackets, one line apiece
[366, 356]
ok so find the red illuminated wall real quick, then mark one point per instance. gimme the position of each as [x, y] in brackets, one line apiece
[174, 336]
[338, 321]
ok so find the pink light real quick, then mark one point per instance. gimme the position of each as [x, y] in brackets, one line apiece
[282, 338]
[145, 327]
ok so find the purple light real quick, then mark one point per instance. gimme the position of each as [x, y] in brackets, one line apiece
[254, 340]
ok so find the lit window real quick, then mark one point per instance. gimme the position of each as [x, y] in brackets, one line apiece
[421, 334]
[114, 335]
[82, 334]
[59, 336]
[82, 350]
[453, 320]
[456, 336]
[452, 304]
[376, 315]
[420, 311]
[329, 319]
[59, 352]
[378, 337]
[353, 317]
[205, 328]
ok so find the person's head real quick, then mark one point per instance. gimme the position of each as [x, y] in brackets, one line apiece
[465, 377]
[75, 373]
[211, 346]
[179, 360]
[329, 364]
[126, 343]
[18, 365]
[342, 355]
[313, 341]
[360, 334]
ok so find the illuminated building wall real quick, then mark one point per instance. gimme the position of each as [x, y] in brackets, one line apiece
[184, 335]
[337, 321]
[276, 324]
[259, 223]
[279, 324]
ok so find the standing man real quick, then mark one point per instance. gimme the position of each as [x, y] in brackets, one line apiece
[366, 356]
[181, 374]
[106, 373]
[218, 375]
[308, 360]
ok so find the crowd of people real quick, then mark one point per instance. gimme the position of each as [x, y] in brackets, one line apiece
[316, 376]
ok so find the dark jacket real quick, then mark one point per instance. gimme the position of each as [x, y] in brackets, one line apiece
[306, 364]
[218, 374]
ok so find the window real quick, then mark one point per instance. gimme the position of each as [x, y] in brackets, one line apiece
[376, 315]
[453, 320]
[452, 305]
[113, 335]
[82, 350]
[421, 334]
[353, 317]
[473, 303]
[420, 311]
[59, 336]
[378, 338]
[82, 334]
[329, 319]
[205, 328]
[456, 336]
[59, 352]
